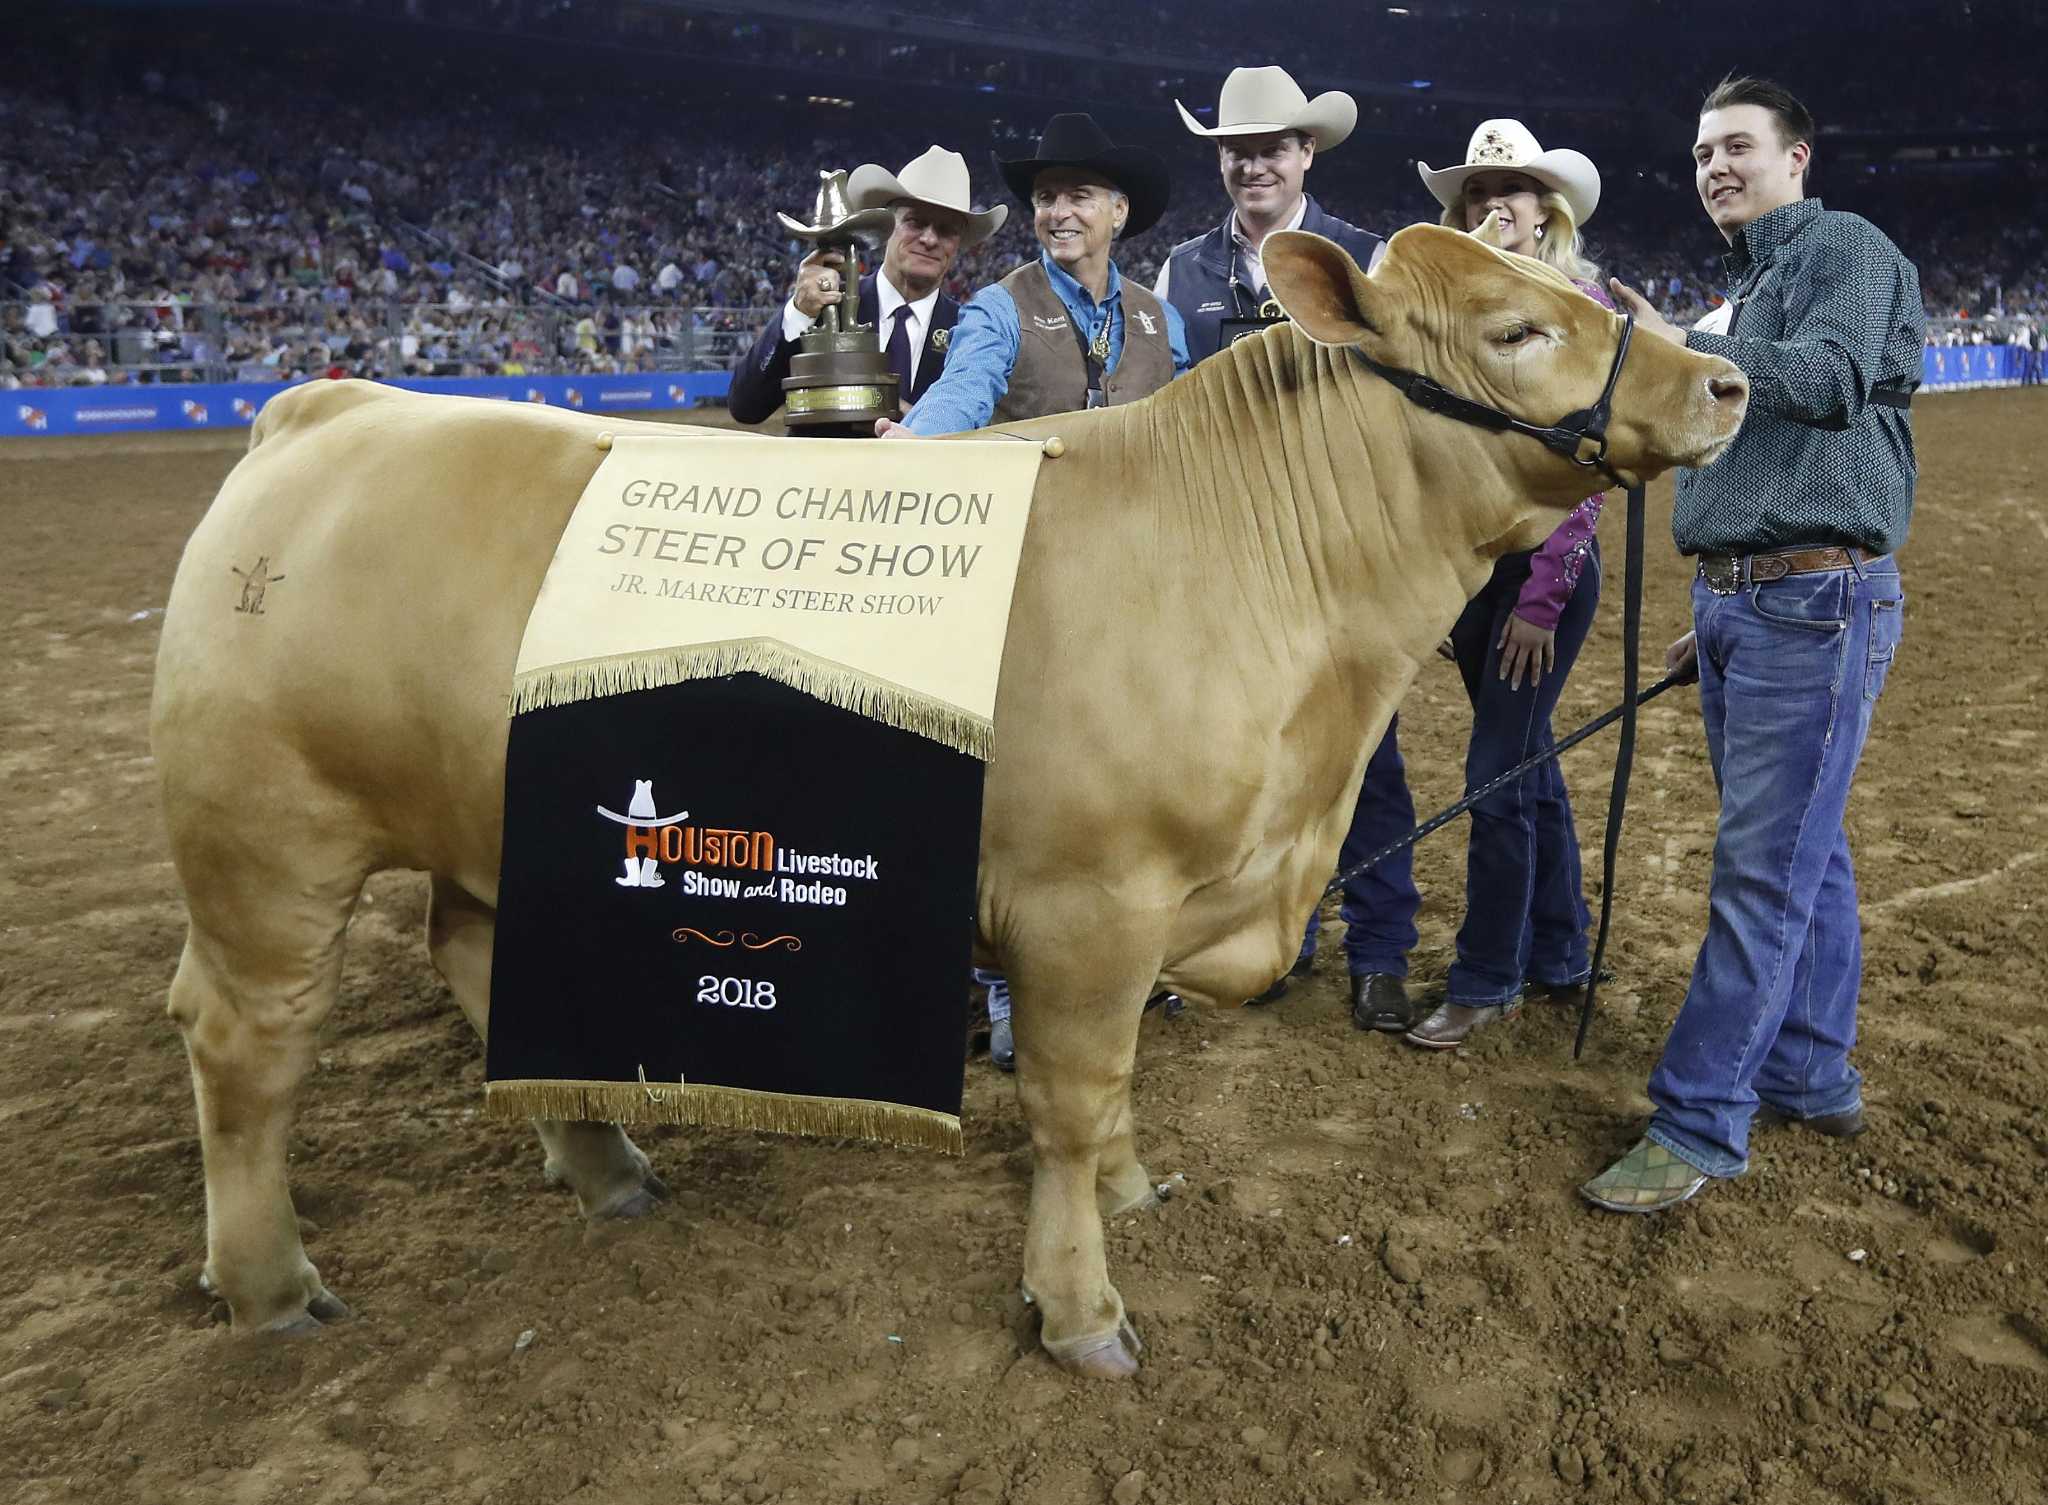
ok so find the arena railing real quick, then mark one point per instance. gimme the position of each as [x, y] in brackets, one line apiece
[177, 342]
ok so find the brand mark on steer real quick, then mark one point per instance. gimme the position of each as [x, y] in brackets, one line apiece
[255, 581]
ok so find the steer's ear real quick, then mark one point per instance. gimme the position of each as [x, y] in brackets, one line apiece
[1321, 287]
[1489, 231]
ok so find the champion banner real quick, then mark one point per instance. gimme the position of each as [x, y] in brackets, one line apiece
[743, 790]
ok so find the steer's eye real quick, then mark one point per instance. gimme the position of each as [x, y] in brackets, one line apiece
[1514, 334]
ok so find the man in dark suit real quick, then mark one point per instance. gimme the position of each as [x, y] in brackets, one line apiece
[935, 222]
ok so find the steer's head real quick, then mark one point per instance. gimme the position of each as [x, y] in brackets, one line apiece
[1512, 334]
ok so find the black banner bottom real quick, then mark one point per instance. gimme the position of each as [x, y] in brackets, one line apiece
[724, 902]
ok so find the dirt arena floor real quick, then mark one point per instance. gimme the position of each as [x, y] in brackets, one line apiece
[1380, 1285]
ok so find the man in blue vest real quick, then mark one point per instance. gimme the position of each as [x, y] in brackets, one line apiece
[1268, 133]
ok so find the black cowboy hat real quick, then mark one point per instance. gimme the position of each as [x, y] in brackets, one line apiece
[1077, 141]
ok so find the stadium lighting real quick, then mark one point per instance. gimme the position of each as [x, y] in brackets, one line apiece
[1397, 10]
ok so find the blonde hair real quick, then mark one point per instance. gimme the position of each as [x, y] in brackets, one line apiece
[1562, 247]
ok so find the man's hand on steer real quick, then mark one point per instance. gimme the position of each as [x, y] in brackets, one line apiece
[1648, 320]
[818, 279]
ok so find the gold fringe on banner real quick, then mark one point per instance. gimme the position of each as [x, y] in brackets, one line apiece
[725, 1108]
[821, 678]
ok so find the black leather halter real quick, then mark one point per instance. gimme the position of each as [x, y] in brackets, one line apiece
[1570, 436]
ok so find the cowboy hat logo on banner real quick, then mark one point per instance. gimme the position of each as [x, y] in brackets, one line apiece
[641, 871]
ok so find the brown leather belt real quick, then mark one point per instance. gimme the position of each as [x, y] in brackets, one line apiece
[1725, 574]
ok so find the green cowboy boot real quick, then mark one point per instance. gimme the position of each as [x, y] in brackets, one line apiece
[1649, 1178]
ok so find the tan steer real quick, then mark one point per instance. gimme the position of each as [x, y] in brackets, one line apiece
[1225, 591]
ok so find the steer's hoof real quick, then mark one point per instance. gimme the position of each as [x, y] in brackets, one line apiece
[297, 1325]
[323, 1308]
[329, 1307]
[636, 1201]
[1105, 1356]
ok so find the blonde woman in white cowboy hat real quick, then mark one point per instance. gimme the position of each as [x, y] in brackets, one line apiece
[1525, 911]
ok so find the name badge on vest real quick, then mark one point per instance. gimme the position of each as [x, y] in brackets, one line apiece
[1270, 313]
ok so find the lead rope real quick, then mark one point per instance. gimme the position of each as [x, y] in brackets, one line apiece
[1624, 755]
[1549, 754]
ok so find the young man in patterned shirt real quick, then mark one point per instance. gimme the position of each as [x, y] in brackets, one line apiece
[1796, 616]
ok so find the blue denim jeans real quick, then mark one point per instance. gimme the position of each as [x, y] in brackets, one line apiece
[1525, 905]
[1790, 671]
[1380, 903]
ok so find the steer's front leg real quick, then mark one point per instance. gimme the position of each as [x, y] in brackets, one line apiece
[1076, 1021]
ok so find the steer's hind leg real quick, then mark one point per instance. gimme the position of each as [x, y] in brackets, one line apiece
[260, 970]
[606, 1170]
[1077, 1032]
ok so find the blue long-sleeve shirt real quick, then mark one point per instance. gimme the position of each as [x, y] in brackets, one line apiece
[989, 335]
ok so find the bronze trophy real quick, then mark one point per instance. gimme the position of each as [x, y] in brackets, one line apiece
[839, 380]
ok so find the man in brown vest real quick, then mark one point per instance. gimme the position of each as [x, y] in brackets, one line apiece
[1065, 331]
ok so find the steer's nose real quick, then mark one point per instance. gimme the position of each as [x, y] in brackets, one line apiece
[1730, 386]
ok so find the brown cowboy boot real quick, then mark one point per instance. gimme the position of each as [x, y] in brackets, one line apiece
[1451, 1024]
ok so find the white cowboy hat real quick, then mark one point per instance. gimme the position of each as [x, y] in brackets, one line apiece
[1258, 101]
[938, 178]
[640, 809]
[1508, 145]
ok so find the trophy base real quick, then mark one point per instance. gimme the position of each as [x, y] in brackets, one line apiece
[838, 385]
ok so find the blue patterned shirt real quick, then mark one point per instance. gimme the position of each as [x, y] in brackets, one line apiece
[1827, 310]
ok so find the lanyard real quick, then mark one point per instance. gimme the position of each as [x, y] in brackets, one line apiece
[1094, 355]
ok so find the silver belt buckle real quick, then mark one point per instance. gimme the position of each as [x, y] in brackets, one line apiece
[1723, 575]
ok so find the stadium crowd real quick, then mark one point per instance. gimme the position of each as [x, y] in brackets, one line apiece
[257, 220]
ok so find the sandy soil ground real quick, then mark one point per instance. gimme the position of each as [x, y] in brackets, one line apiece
[1380, 1287]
